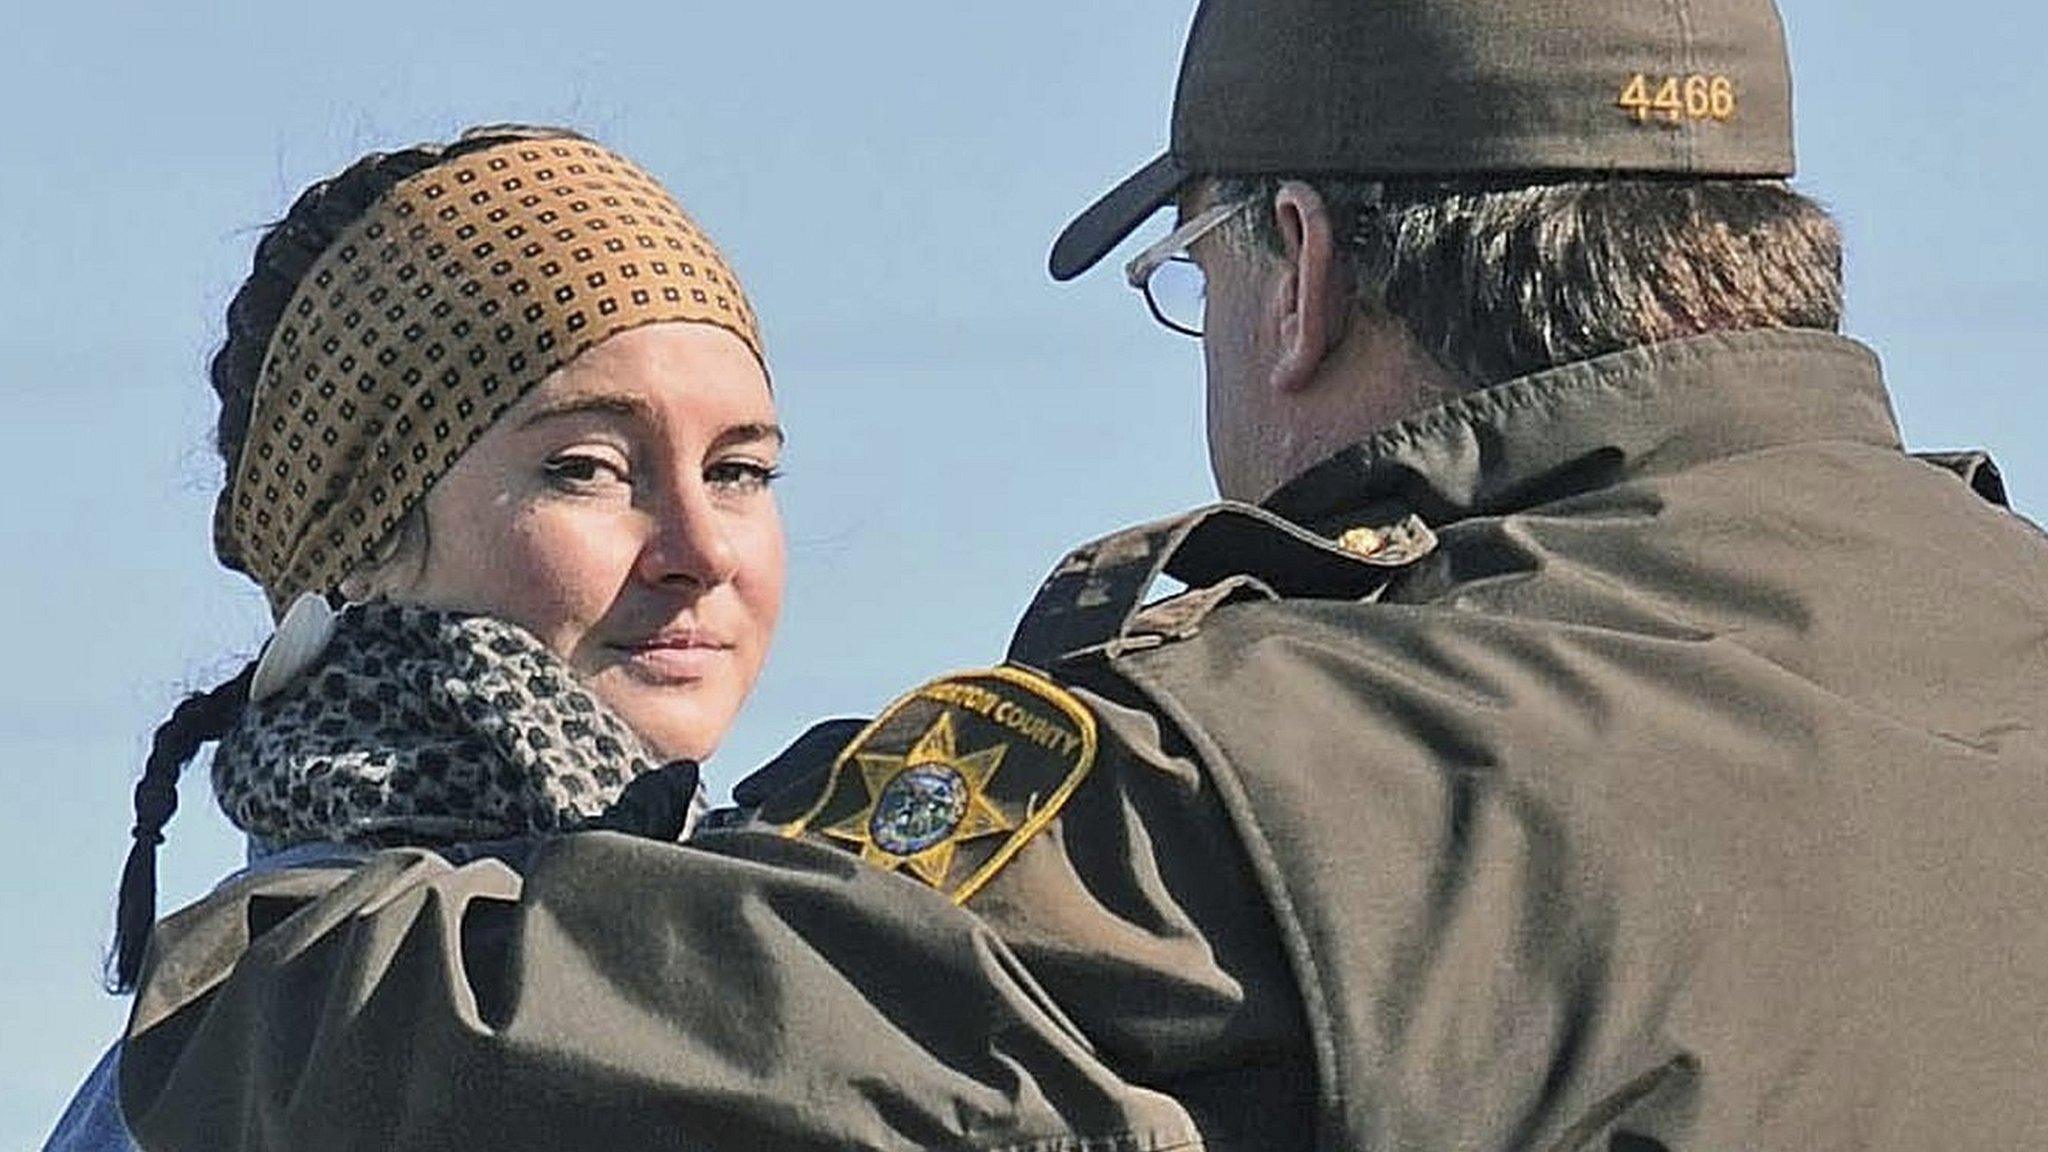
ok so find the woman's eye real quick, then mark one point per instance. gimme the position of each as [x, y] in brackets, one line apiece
[741, 476]
[581, 471]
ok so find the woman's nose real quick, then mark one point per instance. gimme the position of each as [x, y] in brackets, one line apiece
[688, 543]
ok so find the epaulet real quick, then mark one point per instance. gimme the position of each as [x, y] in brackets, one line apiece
[1095, 592]
[1975, 468]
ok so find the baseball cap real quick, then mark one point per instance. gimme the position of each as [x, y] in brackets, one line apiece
[1448, 89]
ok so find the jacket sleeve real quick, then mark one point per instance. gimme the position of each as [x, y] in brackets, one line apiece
[614, 994]
[1105, 863]
[1137, 912]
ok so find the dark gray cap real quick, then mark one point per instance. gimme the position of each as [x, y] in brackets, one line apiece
[1399, 89]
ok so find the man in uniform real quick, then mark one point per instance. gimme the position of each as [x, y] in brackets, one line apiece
[1600, 733]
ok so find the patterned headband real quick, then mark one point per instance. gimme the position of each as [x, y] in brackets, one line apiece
[462, 288]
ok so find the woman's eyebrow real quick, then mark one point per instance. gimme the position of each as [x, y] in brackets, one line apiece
[631, 407]
[749, 434]
[602, 404]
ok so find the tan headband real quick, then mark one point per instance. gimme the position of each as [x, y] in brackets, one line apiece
[459, 290]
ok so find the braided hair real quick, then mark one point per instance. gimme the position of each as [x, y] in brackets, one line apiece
[200, 717]
[284, 254]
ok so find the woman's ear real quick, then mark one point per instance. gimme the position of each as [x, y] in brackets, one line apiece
[398, 565]
[1313, 298]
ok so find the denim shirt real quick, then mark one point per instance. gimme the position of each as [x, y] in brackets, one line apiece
[93, 1121]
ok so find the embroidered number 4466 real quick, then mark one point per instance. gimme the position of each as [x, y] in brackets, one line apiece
[1678, 98]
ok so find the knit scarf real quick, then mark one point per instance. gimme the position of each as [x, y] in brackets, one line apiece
[427, 727]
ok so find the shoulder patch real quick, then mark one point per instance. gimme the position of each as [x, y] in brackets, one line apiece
[951, 780]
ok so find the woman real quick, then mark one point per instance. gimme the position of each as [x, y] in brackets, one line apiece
[505, 405]
[528, 343]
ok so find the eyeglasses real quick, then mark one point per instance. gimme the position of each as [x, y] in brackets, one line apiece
[1170, 279]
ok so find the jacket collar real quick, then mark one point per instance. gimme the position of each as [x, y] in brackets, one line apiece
[1642, 412]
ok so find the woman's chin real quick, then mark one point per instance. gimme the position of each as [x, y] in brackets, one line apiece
[677, 721]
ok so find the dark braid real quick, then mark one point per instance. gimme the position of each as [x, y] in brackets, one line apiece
[286, 252]
[201, 717]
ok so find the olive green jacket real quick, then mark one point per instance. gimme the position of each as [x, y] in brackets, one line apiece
[1661, 765]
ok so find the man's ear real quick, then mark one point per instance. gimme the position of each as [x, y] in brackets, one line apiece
[1312, 298]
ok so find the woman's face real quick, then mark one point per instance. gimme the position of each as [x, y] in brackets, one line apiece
[621, 512]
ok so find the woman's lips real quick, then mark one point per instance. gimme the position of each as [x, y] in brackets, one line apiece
[675, 658]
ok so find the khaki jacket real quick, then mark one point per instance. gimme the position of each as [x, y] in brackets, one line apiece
[1661, 765]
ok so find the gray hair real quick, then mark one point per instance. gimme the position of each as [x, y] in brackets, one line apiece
[1500, 280]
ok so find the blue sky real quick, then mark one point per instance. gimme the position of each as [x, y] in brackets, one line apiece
[886, 178]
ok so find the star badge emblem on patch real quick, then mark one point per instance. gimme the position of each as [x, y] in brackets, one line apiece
[952, 779]
[921, 805]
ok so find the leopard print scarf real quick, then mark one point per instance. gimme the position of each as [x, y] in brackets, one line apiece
[424, 727]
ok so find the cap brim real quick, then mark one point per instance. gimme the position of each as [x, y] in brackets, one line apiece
[1107, 221]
